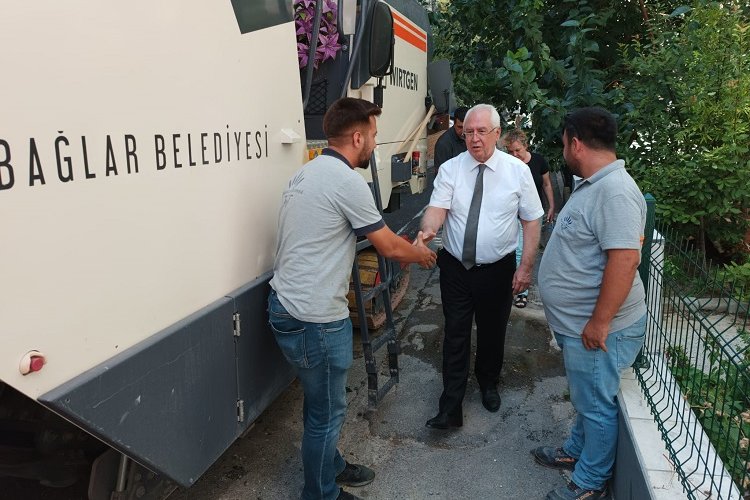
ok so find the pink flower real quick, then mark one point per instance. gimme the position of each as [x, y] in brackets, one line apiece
[304, 26]
[329, 6]
[328, 37]
[302, 54]
[305, 4]
[329, 46]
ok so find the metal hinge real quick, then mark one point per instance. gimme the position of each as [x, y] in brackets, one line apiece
[236, 322]
[240, 410]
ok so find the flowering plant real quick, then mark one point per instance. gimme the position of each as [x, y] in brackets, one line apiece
[328, 38]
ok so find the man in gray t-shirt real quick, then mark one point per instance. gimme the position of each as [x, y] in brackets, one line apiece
[593, 298]
[326, 206]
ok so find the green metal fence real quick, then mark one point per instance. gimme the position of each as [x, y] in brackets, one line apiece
[695, 365]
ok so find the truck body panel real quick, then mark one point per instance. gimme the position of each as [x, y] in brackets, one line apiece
[174, 181]
[144, 148]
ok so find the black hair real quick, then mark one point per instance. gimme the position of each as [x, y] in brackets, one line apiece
[347, 113]
[594, 126]
[460, 113]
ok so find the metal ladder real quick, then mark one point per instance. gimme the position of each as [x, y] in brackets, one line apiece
[388, 337]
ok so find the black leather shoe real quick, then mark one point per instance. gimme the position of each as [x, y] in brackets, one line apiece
[445, 421]
[491, 399]
[355, 475]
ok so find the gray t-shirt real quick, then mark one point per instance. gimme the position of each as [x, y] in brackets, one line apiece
[606, 211]
[325, 207]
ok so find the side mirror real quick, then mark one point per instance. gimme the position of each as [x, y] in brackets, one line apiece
[440, 82]
[381, 40]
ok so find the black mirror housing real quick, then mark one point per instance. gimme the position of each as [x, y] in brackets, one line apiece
[440, 82]
[381, 40]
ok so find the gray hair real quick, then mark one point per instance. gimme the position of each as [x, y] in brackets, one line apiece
[494, 115]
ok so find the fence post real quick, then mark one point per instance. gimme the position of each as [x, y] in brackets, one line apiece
[641, 362]
[648, 239]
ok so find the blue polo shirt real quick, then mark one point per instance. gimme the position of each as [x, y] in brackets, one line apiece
[606, 211]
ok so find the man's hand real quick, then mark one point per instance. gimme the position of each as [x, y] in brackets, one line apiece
[432, 219]
[619, 271]
[428, 257]
[391, 246]
[550, 215]
[595, 336]
[521, 279]
[426, 236]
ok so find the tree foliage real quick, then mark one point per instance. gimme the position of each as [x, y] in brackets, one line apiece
[689, 99]
[677, 76]
[534, 58]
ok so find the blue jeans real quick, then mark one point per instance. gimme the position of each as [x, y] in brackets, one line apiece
[322, 355]
[594, 379]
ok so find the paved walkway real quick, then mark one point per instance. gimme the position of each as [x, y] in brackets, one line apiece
[486, 459]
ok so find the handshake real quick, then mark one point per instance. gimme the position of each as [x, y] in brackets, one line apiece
[426, 257]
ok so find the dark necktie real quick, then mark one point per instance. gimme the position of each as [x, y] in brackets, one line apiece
[469, 255]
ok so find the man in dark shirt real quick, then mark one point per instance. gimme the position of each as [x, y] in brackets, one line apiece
[451, 143]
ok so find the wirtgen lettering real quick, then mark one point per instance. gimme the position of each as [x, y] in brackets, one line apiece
[404, 79]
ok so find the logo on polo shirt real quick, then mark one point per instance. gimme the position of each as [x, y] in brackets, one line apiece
[566, 222]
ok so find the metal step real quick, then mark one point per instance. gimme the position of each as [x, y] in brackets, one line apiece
[375, 392]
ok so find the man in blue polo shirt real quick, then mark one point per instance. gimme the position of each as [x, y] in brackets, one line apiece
[326, 206]
[593, 298]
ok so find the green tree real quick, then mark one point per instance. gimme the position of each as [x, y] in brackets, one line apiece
[687, 103]
[676, 76]
[536, 59]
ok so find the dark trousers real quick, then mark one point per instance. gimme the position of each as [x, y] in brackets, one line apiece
[483, 293]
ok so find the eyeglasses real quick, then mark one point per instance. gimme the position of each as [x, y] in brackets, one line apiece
[481, 132]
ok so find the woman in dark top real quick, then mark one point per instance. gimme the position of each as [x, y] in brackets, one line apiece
[517, 144]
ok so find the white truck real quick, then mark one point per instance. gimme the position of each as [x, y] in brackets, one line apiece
[144, 147]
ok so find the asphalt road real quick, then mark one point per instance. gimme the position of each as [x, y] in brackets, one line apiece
[488, 458]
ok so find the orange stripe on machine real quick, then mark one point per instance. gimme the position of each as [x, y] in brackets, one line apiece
[409, 25]
[409, 37]
[409, 32]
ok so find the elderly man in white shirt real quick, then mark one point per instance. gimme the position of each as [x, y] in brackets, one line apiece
[480, 195]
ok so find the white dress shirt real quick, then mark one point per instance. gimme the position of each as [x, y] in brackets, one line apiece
[508, 193]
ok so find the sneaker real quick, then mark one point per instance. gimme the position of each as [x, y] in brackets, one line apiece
[345, 495]
[553, 457]
[573, 492]
[355, 475]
